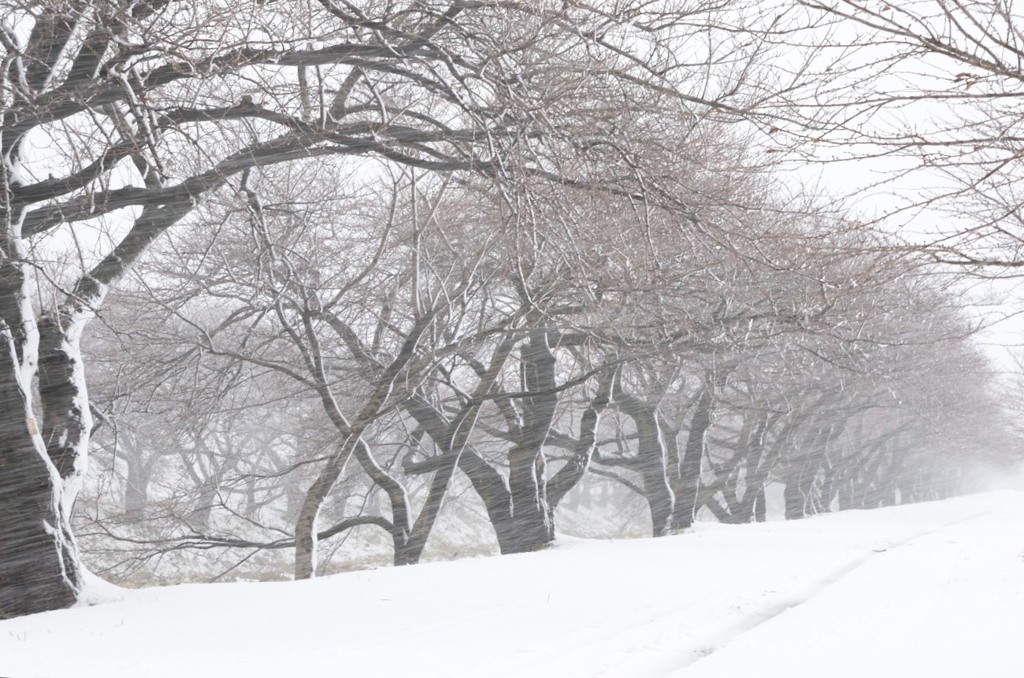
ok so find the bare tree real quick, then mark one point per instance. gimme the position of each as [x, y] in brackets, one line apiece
[930, 89]
[150, 107]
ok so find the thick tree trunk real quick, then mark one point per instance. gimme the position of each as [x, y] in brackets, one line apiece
[452, 439]
[743, 512]
[136, 491]
[519, 508]
[653, 467]
[652, 459]
[799, 482]
[532, 526]
[755, 472]
[42, 460]
[202, 509]
[493, 490]
[63, 394]
[802, 472]
[490, 485]
[39, 566]
[688, 480]
[795, 500]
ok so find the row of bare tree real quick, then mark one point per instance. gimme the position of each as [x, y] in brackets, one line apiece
[316, 366]
[388, 245]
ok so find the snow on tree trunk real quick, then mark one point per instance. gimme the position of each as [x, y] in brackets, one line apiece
[64, 396]
[39, 565]
[43, 457]
[688, 479]
[652, 462]
[306, 524]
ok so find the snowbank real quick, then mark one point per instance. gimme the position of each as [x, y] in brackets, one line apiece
[925, 590]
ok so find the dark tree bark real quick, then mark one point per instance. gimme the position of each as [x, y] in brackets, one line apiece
[532, 524]
[39, 567]
[803, 475]
[352, 443]
[756, 473]
[651, 459]
[490, 485]
[690, 466]
[520, 508]
[583, 450]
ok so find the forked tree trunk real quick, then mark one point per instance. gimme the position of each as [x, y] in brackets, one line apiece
[39, 565]
[519, 508]
[43, 445]
[43, 450]
[410, 551]
[452, 440]
[306, 532]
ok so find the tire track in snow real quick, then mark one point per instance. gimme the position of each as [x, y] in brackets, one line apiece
[561, 659]
[768, 613]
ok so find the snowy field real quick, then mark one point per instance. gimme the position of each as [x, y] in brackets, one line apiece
[927, 590]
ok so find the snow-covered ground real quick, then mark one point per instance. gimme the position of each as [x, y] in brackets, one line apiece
[926, 590]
